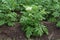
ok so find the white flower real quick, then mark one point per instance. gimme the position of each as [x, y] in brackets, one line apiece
[28, 8]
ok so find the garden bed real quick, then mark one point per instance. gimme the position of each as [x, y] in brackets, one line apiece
[15, 33]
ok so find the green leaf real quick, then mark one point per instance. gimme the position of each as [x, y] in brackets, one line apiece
[10, 4]
[2, 22]
[10, 23]
[45, 29]
[58, 24]
[29, 31]
[56, 14]
[38, 31]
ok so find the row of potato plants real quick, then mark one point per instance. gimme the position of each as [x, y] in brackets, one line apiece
[33, 13]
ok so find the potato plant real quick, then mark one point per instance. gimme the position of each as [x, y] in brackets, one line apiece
[54, 12]
[31, 20]
[7, 14]
[33, 15]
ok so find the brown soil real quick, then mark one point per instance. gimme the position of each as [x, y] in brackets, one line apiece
[15, 33]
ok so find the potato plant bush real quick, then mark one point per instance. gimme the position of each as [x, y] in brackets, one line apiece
[6, 14]
[31, 20]
[33, 13]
